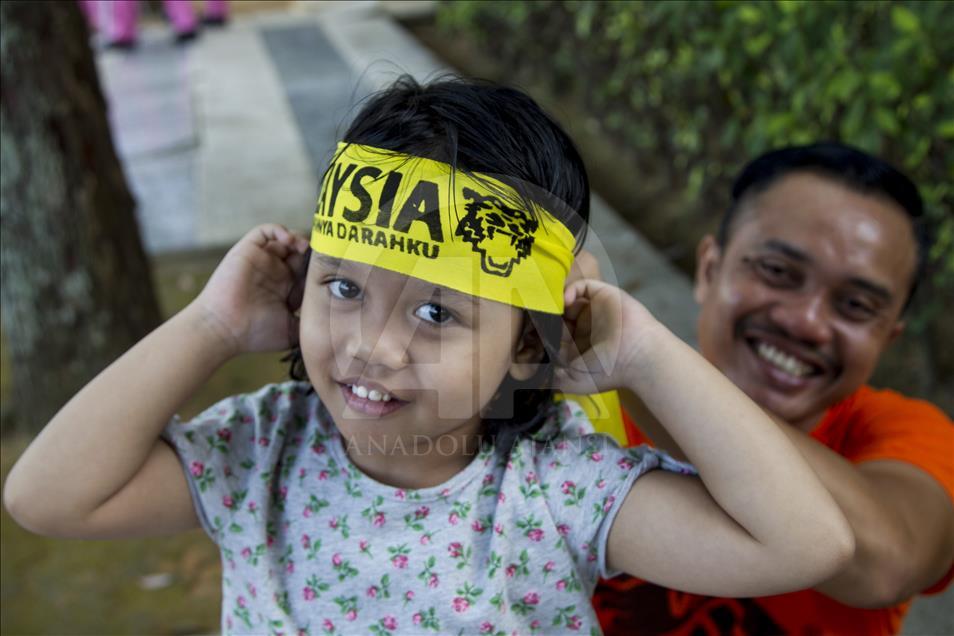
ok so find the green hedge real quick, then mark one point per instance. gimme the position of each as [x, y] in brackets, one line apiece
[704, 85]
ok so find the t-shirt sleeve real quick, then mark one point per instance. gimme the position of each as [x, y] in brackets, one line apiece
[884, 425]
[587, 477]
[227, 452]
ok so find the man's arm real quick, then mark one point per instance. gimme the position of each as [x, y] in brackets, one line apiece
[902, 518]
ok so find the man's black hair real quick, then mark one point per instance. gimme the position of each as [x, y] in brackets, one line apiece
[845, 164]
[479, 126]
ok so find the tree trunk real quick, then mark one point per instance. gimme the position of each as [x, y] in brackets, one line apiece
[76, 289]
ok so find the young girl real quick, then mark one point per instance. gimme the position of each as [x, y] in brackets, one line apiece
[423, 479]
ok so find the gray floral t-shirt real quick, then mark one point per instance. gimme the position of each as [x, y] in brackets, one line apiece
[310, 545]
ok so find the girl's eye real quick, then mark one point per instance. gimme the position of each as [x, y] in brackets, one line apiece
[344, 289]
[434, 313]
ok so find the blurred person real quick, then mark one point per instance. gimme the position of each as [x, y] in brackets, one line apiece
[117, 19]
[801, 291]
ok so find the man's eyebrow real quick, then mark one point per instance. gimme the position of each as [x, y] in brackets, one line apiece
[871, 287]
[787, 249]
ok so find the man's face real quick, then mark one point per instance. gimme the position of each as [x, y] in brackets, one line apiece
[806, 294]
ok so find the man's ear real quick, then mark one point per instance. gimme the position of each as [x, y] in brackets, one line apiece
[897, 330]
[528, 353]
[708, 260]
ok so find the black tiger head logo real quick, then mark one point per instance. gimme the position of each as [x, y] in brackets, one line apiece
[502, 235]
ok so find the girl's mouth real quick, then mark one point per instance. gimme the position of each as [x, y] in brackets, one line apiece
[370, 402]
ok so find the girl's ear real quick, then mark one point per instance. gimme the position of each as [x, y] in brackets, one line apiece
[528, 352]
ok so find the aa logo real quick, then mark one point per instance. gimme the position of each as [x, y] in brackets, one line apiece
[502, 235]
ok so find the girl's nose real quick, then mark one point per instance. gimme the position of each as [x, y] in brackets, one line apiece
[383, 342]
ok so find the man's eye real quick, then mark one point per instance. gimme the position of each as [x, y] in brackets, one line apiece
[344, 289]
[857, 308]
[774, 272]
[433, 313]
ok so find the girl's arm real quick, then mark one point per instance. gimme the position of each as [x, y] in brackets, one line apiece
[759, 522]
[98, 469]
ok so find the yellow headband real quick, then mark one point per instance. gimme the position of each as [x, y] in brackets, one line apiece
[422, 218]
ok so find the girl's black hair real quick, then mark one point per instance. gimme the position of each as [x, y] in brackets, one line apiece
[479, 126]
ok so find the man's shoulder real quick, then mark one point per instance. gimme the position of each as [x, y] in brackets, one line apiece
[869, 406]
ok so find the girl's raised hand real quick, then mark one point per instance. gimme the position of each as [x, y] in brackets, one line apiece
[605, 328]
[245, 300]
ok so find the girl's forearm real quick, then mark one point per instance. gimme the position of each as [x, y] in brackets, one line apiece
[100, 439]
[749, 466]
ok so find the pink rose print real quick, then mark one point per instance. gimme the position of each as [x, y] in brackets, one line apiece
[305, 541]
[453, 518]
[597, 456]
[535, 625]
[535, 534]
[308, 593]
[228, 502]
[246, 552]
[501, 497]
[625, 463]
[486, 627]
[417, 618]
[531, 598]
[498, 528]
[333, 524]
[609, 503]
[378, 519]
[567, 487]
[489, 479]
[290, 568]
[301, 473]
[328, 626]
[263, 441]
[224, 434]
[563, 529]
[372, 592]
[601, 484]
[351, 615]
[389, 623]
[548, 566]
[510, 570]
[323, 475]
[336, 559]
[422, 512]
[197, 469]
[531, 478]
[399, 561]
[425, 538]
[409, 596]
[318, 449]
[400, 494]
[574, 622]
[477, 526]
[252, 507]
[460, 604]
[561, 585]
[240, 601]
[433, 581]
[455, 549]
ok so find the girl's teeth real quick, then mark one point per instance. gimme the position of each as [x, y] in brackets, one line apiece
[371, 394]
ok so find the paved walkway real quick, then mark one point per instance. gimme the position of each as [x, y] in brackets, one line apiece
[234, 129]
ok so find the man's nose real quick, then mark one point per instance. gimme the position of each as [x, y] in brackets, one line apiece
[804, 317]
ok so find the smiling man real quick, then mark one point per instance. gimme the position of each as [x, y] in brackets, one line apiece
[801, 292]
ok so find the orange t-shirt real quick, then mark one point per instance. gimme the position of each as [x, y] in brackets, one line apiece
[865, 426]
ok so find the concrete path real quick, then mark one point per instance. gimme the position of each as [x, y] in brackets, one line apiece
[234, 130]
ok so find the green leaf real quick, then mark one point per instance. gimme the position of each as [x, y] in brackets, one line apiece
[904, 19]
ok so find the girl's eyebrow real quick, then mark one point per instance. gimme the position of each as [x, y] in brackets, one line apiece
[330, 262]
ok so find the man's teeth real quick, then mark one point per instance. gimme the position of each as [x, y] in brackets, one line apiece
[783, 361]
[371, 394]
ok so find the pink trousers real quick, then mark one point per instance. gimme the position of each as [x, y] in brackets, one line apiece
[117, 18]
